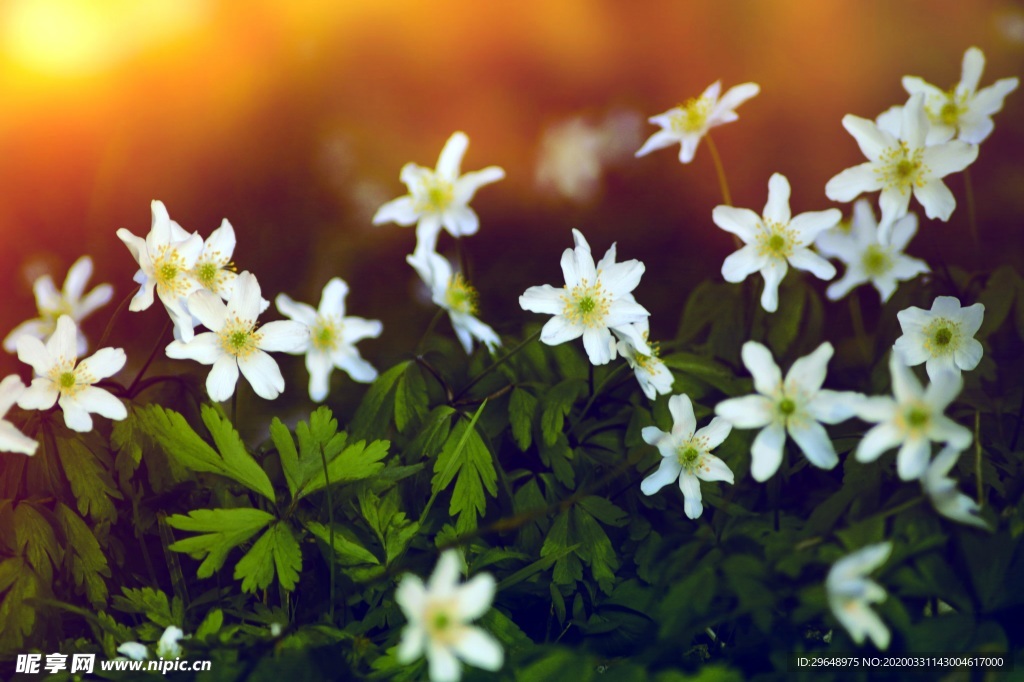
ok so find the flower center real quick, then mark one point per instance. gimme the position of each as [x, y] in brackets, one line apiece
[647, 362]
[777, 240]
[239, 338]
[787, 407]
[942, 337]
[691, 117]
[586, 304]
[68, 379]
[63, 307]
[688, 456]
[876, 261]
[325, 334]
[441, 626]
[435, 195]
[169, 270]
[917, 417]
[460, 296]
[900, 169]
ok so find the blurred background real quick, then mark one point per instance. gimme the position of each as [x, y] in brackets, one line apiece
[292, 119]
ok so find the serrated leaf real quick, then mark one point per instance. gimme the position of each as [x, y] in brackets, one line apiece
[707, 369]
[354, 463]
[604, 511]
[18, 584]
[90, 479]
[555, 406]
[150, 602]
[521, 408]
[180, 441]
[125, 440]
[278, 551]
[84, 556]
[434, 434]
[36, 541]
[220, 531]
[347, 548]
[211, 625]
[467, 459]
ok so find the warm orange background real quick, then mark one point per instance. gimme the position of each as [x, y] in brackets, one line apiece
[292, 119]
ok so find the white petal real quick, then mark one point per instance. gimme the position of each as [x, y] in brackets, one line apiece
[220, 383]
[10, 388]
[832, 407]
[76, 417]
[599, 345]
[411, 597]
[773, 275]
[766, 452]
[41, 394]
[759, 362]
[737, 95]
[872, 140]
[808, 373]
[245, 301]
[815, 444]
[968, 355]
[479, 649]
[543, 299]
[64, 342]
[659, 140]
[446, 574]
[715, 432]
[559, 330]
[96, 298]
[356, 329]
[668, 472]
[877, 440]
[401, 211]
[943, 390]
[319, 366]
[468, 184]
[714, 469]
[937, 200]
[460, 221]
[443, 665]
[356, 367]
[894, 205]
[989, 100]
[105, 362]
[848, 184]
[34, 353]
[474, 597]
[35, 328]
[13, 440]
[683, 422]
[777, 208]
[740, 264]
[891, 119]
[690, 486]
[292, 309]
[101, 402]
[905, 385]
[284, 336]
[208, 309]
[747, 412]
[77, 277]
[204, 348]
[741, 222]
[620, 279]
[915, 122]
[951, 157]
[450, 159]
[134, 651]
[912, 458]
[805, 259]
[263, 374]
[971, 68]
[810, 224]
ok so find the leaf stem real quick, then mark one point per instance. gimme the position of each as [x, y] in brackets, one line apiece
[723, 184]
[149, 360]
[979, 474]
[429, 330]
[596, 392]
[110, 325]
[972, 216]
[857, 319]
[330, 526]
[451, 462]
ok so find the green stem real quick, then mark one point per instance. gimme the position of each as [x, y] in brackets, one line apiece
[149, 360]
[858, 327]
[972, 216]
[723, 184]
[451, 462]
[978, 460]
[594, 392]
[330, 526]
[429, 330]
[498, 363]
[110, 325]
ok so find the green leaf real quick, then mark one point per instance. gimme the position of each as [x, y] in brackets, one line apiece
[150, 602]
[555, 406]
[521, 408]
[18, 583]
[998, 299]
[411, 397]
[126, 442]
[36, 541]
[181, 442]
[83, 556]
[347, 548]
[211, 625]
[393, 528]
[707, 369]
[466, 458]
[354, 463]
[542, 564]
[277, 549]
[785, 322]
[220, 531]
[90, 479]
[373, 417]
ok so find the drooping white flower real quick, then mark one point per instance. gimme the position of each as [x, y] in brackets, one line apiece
[70, 301]
[689, 122]
[439, 616]
[962, 112]
[235, 343]
[332, 337]
[166, 647]
[942, 338]
[851, 593]
[451, 291]
[941, 490]
[866, 258]
[11, 439]
[901, 165]
[797, 405]
[911, 419]
[62, 379]
[651, 372]
[440, 197]
[686, 454]
[774, 241]
[166, 258]
[596, 300]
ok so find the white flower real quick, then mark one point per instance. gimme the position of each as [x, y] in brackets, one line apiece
[911, 420]
[866, 258]
[686, 454]
[653, 376]
[774, 240]
[942, 338]
[451, 291]
[69, 301]
[575, 152]
[332, 337]
[439, 198]
[689, 122]
[439, 615]
[963, 111]
[213, 269]
[11, 439]
[234, 343]
[798, 405]
[166, 258]
[595, 301]
[899, 165]
[61, 378]
[851, 593]
[166, 647]
[942, 491]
